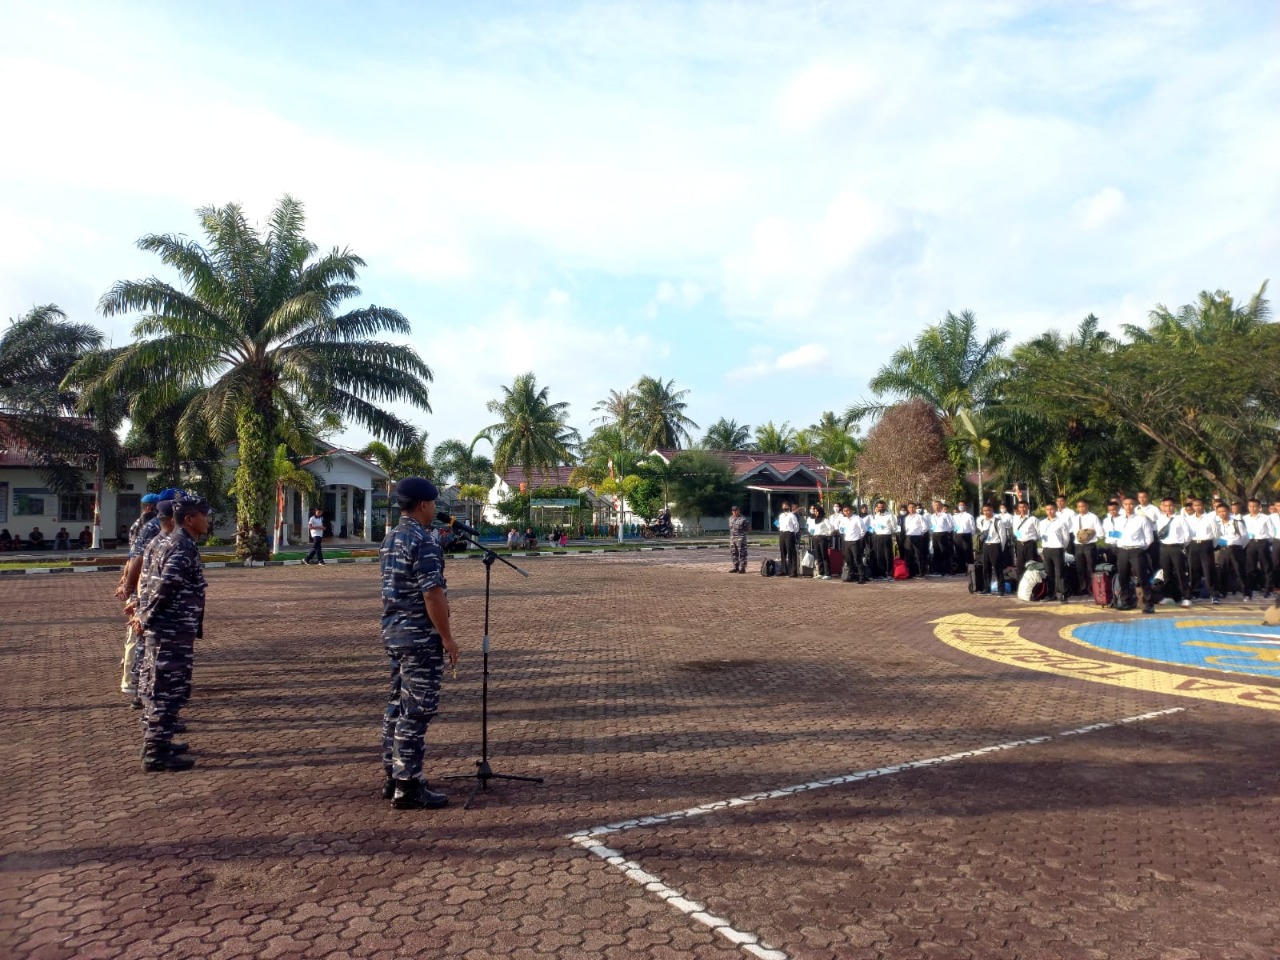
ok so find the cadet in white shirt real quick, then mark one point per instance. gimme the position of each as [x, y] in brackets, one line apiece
[1257, 563]
[1055, 536]
[915, 526]
[1135, 534]
[788, 529]
[1275, 547]
[1174, 535]
[1152, 513]
[941, 536]
[994, 535]
[1110, 536]
[1085, 530]
[962, 524]
[852, 530]
[1231, 541]
[820, 541]
[1200, 553]
[1026, 535]
[883, 527]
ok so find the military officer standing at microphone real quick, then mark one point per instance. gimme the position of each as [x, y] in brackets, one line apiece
[417, 635]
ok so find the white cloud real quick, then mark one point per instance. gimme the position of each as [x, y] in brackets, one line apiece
[820, 90]
[1102, 209]
[807, 358]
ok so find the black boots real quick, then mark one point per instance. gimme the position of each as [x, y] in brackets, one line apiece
[165, 758]
[414, 795]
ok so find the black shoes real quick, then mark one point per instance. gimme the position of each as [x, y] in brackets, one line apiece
[136, 703]
[163, 758]
[179, 727]
[388, 789]
[414, 795]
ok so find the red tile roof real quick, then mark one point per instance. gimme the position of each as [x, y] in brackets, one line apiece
[554, 477]
[747, 463]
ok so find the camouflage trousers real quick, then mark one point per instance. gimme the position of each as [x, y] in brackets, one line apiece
[165, 683]
[738, 552]
[412, 701]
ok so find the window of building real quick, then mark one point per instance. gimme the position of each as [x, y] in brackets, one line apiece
[31, 502]
[75, 506]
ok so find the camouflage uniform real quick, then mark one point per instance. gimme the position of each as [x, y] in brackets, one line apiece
[132, 642]
[412, 563]
[148, 580]
[171, 609]
[738, 527]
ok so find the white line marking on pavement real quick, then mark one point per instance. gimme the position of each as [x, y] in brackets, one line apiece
[749, 941]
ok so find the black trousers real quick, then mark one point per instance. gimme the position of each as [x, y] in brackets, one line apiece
[1024, 551]
[818, 546]
[941, 545]
[882, 553]
[919, 547]
[1055, 572]
[1131, 564]
[316, 553]
[1175, 577]
[1085, 562]
[991, 567]
[963, 550]
[1231, 570]
[1201, 559]
[853, 569]
[1257, 566]
[787, 554]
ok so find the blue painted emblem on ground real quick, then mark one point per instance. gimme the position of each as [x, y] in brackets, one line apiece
[1216, 643]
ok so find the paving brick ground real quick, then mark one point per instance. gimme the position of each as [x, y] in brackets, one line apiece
[635, 686]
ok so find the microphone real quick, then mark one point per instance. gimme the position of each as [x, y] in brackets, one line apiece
[450, 521]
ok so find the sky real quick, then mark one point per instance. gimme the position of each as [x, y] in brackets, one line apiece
[759, 201]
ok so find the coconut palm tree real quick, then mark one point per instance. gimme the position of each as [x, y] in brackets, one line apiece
[948, 367]
[532, 433]
[1214, 317]
[458, 462]
[409, 459]
[728, 435]
[257, 329]
[659, 417]
[771, 438]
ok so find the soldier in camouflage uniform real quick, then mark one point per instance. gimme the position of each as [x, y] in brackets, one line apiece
[147, 580]
[738, 527]
[416, 634]
[132, 648]
[171, 613]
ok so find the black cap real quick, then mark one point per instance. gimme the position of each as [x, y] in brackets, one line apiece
[165, 508]
[189, 506]
[416, 488]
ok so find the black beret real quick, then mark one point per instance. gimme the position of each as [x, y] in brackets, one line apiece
[416, 488]
[165, 508]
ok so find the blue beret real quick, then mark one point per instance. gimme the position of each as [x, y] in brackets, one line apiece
[416, 488]
[171, 493]
[150, 497]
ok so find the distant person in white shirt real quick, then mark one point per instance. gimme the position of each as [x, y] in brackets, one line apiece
[1257, 561]
[315, 530]
[1152, 513]
[1275, 548]
[1086, 528]
[788, 530]
[883, 527]
[1055, 537]
[915, 528]
[1026, 535]
[941, 540]
[1201, 552]
[1231, 548]
[993, 535]
[820, 541]
[1135, 534]
[962, 522]
[1112, 526]
[1173, 532]
[852, 530]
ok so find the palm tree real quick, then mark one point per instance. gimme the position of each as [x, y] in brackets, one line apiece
[37, 352]
[288, 476]
[456, 461]
[409, 459]
[257, 331]
[728, 435]
[532, 432]
[947, 367]
[973, 437]
[1214, 317]
[618, 409]
[659, 418]
[774, 439]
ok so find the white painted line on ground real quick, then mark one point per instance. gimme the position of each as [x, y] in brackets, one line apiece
[749, 941]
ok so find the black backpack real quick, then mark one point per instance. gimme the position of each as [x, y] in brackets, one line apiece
[769, 568]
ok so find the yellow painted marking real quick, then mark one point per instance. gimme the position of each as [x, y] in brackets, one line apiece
[999, 640]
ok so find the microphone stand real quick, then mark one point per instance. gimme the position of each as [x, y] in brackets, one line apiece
[484, 772]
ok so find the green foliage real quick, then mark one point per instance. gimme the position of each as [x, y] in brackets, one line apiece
[771, 438]
[657, 420]
[515, 508]
[703, 485]
[728, 435]
[458, 462]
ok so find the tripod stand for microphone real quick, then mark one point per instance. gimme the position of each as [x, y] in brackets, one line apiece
[484, 772]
